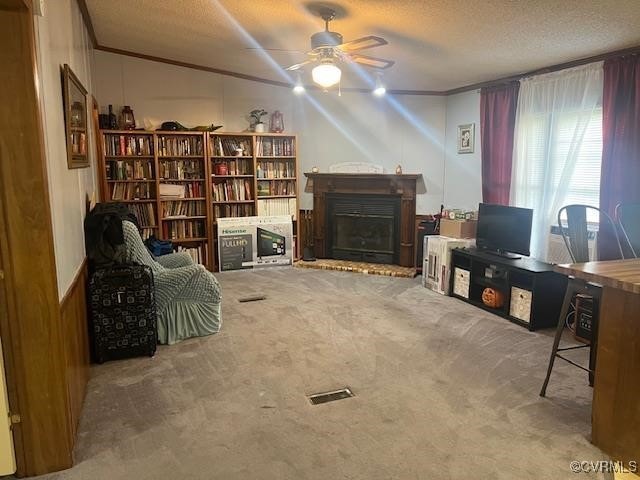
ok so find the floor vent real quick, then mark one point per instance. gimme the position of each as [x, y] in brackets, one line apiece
[252, 298]
[318, 398]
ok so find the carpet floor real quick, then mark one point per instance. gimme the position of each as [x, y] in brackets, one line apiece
[443, 391]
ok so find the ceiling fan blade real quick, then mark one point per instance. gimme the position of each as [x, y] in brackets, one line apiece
[372, 62]
[297, 66]
[274, 49]
[369, 41]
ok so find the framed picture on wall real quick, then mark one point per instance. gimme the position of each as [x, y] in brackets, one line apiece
[466, 138]
[74, 97]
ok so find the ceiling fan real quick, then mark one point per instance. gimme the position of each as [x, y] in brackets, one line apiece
[327, 48]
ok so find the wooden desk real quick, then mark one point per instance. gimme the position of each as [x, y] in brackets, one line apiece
[616, 392]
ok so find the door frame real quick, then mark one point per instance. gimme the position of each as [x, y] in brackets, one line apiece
[30, 325]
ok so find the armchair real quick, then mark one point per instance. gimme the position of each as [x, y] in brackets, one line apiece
[188, 296]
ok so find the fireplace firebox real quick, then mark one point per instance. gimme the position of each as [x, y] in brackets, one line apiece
[363, 228]
[364, 216]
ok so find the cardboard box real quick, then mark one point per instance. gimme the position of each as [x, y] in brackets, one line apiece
[436, 268]
[255, 242]
[458, 228]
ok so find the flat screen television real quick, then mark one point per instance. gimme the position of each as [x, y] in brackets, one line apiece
[504, 230]
[270, 243]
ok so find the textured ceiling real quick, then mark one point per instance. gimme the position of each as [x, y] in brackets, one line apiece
[436, 44]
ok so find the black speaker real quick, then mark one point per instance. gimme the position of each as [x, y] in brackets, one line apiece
[586, 318]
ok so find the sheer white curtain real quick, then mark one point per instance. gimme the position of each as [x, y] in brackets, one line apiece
[558, 146]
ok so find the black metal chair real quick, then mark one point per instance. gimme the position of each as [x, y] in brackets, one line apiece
[628, 217]
[575, 233]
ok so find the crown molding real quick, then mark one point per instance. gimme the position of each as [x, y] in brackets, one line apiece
[193, 66]
[550, 69]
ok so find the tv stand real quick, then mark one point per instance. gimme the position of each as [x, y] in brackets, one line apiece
[503, 254]
[532, 291]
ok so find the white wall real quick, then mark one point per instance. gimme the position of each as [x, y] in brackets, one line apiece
[405, 130]
[462, 179]
[62, 38]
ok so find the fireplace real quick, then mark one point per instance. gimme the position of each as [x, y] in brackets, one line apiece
[363, 228]
[364, 217]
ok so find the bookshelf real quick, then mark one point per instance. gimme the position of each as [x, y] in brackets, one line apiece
[179, 183]
[253, 174]
[129, 175]
[182, 192]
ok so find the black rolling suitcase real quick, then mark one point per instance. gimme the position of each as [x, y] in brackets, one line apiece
[123, 312]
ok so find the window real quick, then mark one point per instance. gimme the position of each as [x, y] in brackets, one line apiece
[557, 147]
[546, 173]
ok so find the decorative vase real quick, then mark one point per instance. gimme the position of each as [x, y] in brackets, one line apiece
[113, 121]
[220, 169]
[315, 169]
[259, 127]
[399, 170]
[276, 124]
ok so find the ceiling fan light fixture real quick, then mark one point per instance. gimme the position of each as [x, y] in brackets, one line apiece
[380, 89]
[327, 74]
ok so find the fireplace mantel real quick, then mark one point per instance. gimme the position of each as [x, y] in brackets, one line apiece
[403, 186]
[376, 176]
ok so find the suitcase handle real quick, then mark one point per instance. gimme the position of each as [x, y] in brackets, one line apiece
[120, 271]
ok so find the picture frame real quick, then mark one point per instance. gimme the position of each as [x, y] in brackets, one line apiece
[76, 119]
[466, 138]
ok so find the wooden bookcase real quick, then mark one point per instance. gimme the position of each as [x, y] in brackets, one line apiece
[222, 175]
[182, 164]
[253, 174]
[128, 174]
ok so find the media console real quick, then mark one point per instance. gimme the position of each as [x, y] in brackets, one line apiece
[532, 292]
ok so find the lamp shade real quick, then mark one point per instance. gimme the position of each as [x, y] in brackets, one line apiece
[326, 74]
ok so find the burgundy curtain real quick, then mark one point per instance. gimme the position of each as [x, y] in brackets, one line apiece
[497, 122]
[620, 177]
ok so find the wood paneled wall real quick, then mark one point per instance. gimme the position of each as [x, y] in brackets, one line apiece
[73, 315]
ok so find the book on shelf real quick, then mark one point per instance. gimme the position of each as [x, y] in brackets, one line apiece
[176, 229]
[239, 166]
[146, 233]
[183, 209]
[270, 207]
[281, 187]
[144, 212]
[197, 253]
[226, 146]
[131, 191]
[232, 190]
[233, 210]
[279, 169]
[127, 145]
[169, 146]
[132, 170]
[181, 169]
[181, 190]
[275, 146]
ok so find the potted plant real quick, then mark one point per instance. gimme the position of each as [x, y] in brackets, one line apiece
[256, 120]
